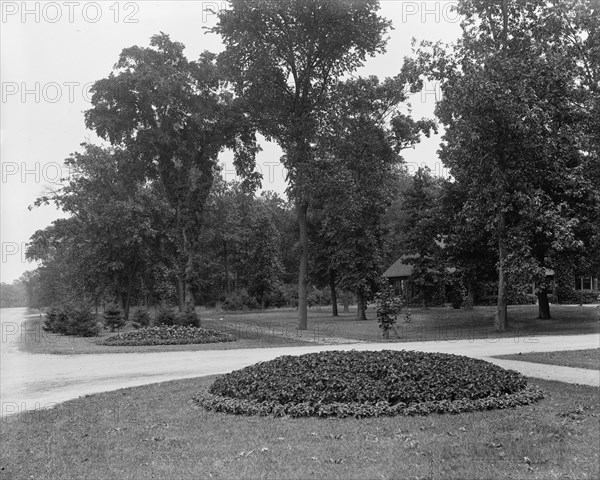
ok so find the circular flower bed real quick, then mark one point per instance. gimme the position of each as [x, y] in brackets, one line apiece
[167, 335]
[364, 384]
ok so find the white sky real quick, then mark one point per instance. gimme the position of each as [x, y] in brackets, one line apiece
[52, 51]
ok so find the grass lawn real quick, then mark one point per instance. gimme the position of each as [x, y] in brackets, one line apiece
[34, 339]
[156, 431]
[431, 324]
[571, 358]
[272, 328]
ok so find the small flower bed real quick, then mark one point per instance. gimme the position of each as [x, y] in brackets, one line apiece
[363, 384]
[167, 335]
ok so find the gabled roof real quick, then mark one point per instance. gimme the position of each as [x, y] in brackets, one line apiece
[399, 268]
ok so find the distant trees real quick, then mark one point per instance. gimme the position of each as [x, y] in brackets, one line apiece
[119, 244]
[13, 295]
[118, 226]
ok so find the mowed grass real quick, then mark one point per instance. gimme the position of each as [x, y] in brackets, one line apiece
[589, 358]
[157, 431]
[433, 324]
[33, 339]
[276, 328]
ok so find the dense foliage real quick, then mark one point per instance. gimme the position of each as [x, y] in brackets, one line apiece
[113, 317]
[167, 335]
[72, 318]
[388, 308]
[368, 383]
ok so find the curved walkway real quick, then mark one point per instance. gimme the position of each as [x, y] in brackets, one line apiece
[31, 382]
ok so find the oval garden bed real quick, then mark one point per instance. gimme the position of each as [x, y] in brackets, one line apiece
[365, 384]
[167, 335]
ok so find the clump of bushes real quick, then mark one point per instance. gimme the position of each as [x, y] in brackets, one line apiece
[141, 317]
[188, 317]
[74, 318]
[167, 335]
[165, 315]
[579, 297]
[113, 317]
[56, 320]
[240, 300]
[363, 384]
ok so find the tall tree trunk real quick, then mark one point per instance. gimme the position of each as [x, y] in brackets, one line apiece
[127, 301]
[180, 293]
[189, 271]
[361, 307]
[227, 284]
[334, 306]
[346, 301]
[470, 297]
[301, 212]
[543, 305]
[501, 321]
[117, 290]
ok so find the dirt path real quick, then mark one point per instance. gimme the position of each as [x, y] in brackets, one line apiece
[38, 381]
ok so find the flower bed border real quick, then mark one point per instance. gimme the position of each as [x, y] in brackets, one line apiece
[217, 403]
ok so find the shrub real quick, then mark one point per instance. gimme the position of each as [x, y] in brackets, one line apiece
[142, 317]
[579, 297]
[519, 298]
[456, 297]
[361, 384]
[388, 307]
[188, 317]
[75, 318]
[290, 294]
[318, 296]
[82, 321]
[239, 300]
[113, 317]
[56, 320]
[167, 335]
[165, 315]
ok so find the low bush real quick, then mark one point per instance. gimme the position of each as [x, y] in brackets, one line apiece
[389, 307]
[167, 335]
[519, 298]
[188, 318]
[579, 297]
[113, 317]
[83, 322]
[142, 317]
[318, 297]
[56, 320]
[362, 384]
[74, 318]
[240, 300]
[165, 315]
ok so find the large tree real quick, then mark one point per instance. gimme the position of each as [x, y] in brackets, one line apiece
[174, 117]
[283, 57]
[355, 178]
[513, 113]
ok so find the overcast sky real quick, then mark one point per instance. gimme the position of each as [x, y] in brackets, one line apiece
[51, 52]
